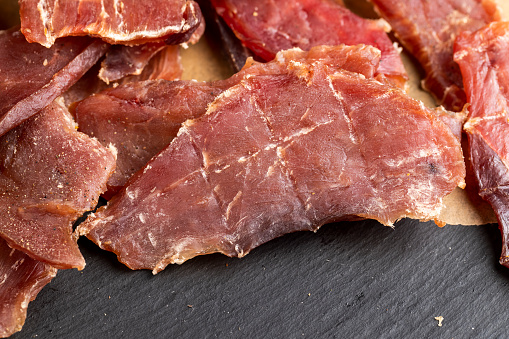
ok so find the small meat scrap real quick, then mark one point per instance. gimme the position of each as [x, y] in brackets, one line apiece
[483, 57]
[142, 118]
[281, 152]
[130, 22]
[122, 60]
[22, 279]
[32, 76]
[50, 174]
[428, 30]
[165, 65]
[267, 27]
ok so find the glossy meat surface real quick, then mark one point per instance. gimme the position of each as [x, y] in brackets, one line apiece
[50, 174]
[142, 118]
[267, 27]
[22, 279]
[428, 30]
[128, 22]
[282, 151]
[484, 61]
[51, 72]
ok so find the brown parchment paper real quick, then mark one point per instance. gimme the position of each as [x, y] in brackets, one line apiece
[203, 63]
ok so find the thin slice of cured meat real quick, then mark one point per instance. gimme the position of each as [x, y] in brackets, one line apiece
[428, 30]
[121, 60]
[130, 22]
[32, 76]
[22, 279]
[484, 61]
[267, 27]
[166, 64]
[279, 153]
[50, 174]
[142, 118]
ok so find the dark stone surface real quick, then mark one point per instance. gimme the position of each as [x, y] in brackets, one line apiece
[351, 279]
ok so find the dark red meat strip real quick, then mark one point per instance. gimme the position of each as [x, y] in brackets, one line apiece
[484, 61]
[281, 152]
[21, 279]
[32, 76]
[142, 118]
[50, 174]
[130, 22]
[428, 29]
[269, 26]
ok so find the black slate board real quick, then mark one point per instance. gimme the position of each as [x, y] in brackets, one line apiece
[349, 280]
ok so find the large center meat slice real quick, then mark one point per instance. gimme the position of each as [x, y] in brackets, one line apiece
[279, 153]
[428, 30]
[50, 174]
[483, 57]
[128, 22]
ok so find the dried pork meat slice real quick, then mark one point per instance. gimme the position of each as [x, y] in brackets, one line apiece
[269, 26]
[166, 64]
[277, 153]
[121, 61]
[32, 76]
[50, 174]
[129, 22]
[428, 30]
[484, 61]
[22, 279]
[142, 118]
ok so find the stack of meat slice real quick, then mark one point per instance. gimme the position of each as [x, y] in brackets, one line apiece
[483, 57]
[306, 139]
[267, 27]
[428, 30]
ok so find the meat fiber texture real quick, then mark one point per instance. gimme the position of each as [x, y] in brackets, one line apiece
[428, 30]
[50, 174]
[483, 57]
[142, 118]
[22, 279]
[129, 22]
[267, 27]
[50, 71]
[282, 151]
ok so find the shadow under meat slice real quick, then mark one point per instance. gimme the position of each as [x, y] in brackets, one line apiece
[483, 57]
[51, 72]
[50, 174]
[281, 152]
[142, 118]
[22, 279]
[267, 27]
[428, 30]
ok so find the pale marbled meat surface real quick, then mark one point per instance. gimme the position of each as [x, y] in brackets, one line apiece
[279, 153]
[130, 22]
[142, 118]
